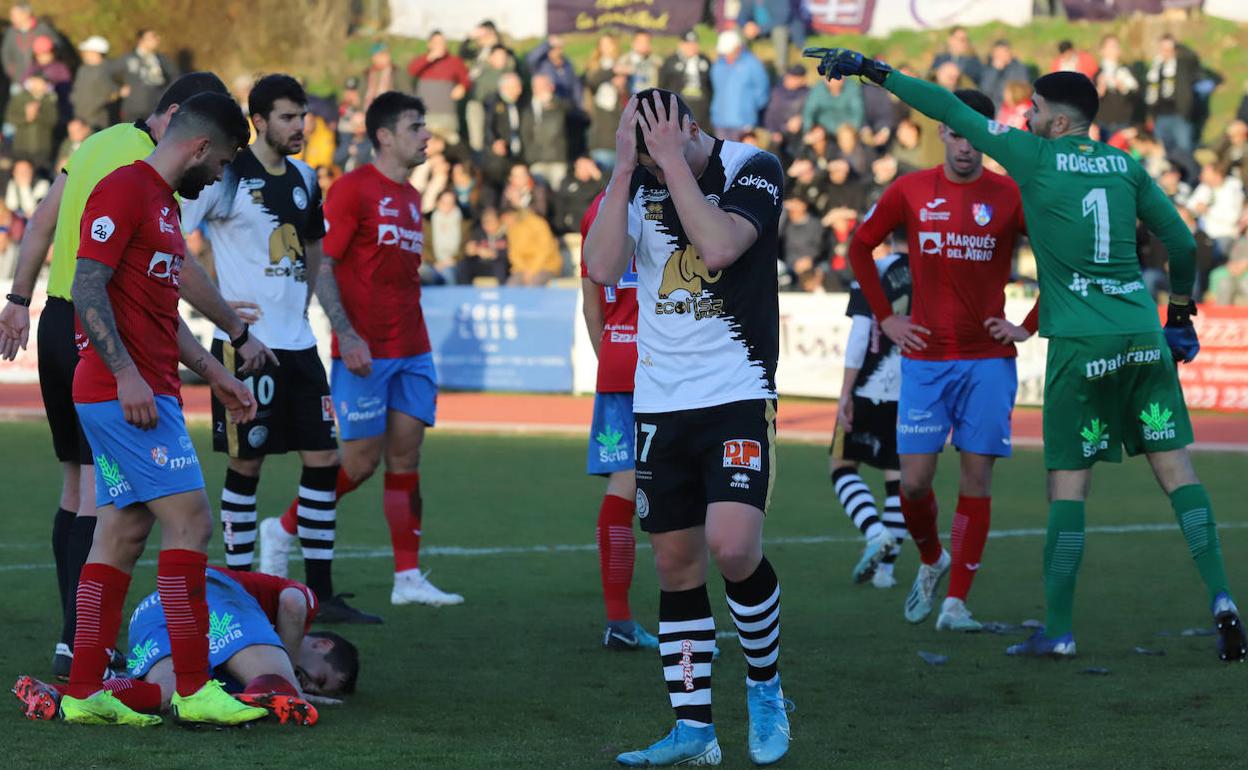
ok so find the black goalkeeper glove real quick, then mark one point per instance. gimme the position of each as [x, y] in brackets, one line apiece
[1180, 333]
[836, 63]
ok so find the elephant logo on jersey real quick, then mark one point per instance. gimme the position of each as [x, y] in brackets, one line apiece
[686, 270]
[284, 243]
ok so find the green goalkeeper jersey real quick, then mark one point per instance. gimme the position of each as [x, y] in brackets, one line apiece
[1081, 200]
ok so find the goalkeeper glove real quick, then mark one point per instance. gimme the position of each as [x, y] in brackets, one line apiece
[1180, 333]
[836, 63]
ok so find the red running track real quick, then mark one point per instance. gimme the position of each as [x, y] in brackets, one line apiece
[798, 419]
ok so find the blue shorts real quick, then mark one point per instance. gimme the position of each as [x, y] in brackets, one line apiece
[235, 621]
[973, 398]
[133, 465]
[611, 434]
[408, 385]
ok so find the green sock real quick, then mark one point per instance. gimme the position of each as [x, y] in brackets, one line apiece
[1195, 514]
[1063, 552]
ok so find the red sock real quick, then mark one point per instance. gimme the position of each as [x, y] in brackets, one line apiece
[271, 683]
[402, 505]
[921, 522]
[290, 519]
[617, 549]
[101, 594]
[970, 532]
[143, 697]
[180, 581]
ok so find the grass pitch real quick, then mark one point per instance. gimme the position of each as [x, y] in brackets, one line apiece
[515, 676]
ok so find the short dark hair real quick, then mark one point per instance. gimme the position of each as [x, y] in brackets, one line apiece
[978, 101]
[659, 99]
[344, 657]
[188, 85]
[385, 110]
[1070, 89]
[268, 89]
[216, 115]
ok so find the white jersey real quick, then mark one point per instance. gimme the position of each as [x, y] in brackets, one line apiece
[259, 224]
[706, 337]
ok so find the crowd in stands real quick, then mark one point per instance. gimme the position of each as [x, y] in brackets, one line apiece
[523, 142]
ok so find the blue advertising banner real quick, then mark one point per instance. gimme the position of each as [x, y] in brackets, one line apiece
[501, 339]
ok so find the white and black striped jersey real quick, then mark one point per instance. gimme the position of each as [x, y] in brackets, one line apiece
[259, 225]
[879, 376]
[707, 337]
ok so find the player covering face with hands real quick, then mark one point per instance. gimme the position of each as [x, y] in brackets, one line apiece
[1111, 380]
[701, 217]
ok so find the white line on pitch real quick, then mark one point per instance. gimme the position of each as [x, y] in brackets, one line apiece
[360, 552]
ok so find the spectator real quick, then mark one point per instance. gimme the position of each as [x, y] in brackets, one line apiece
[1228, 284]
[350, 101]
[1118, 88]
[851, 150]
[485, 253]
[76, 132]
[641, 64]
[145, 73]
[884, 171]
[818, 148]
[523, 190]
[949, 75]
[431, 178]
[445, 237]
[32, 114]
[836, 102]
[382, 75]
[786, 102]
[325, 178]
[16, 50]
[809, 185]
[1176, 189]
[958, 51]
[1001, 68]
[94, 92]
[1218, 204]
[1242, 112]
[1071, 59]
[357, 150]
[1169, 97]
[739, 88]
[440, 79]
[549, 59]
[782, 20]
[487, 59]
[789, 145]
[575, 194]
[688, 73]
[803, 248]
[467, 187]
[908, 149]
[1017, 102]
[606, 86]
[1232, 148]
[55, 72]
[544, 126]
[532, 250]
[881, 113]
[504, 140]
[25, 190]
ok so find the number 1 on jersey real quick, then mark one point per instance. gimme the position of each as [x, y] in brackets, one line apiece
[1096, 203]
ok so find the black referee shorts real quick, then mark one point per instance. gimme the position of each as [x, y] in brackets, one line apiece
[58, 357]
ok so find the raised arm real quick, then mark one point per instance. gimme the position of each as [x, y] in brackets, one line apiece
[609, 244]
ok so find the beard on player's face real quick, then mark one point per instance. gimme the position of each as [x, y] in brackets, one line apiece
[194, 181]
[284, 142]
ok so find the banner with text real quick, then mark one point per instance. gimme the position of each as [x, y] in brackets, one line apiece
[518, 19]
[890, 15]
[670, 17]
[502, 339]
[1218, 378]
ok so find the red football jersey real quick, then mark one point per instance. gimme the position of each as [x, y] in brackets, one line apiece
[617, 352]
[132, 224]
[962, 239]
[375, 237]
[267, 590]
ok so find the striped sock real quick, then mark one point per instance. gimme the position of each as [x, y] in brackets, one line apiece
[317, 514]
[1063, 553]
[181, 582]
[617, 550]
[893, 518]
[970, 533]
[686, 645]
[238, 519]
[101, 594]
[81, 538]
[345, 484]
[755, 605]
[143, 697]
[1195, 514]
[857, 501]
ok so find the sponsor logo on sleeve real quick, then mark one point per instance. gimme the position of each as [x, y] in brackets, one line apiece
[102, 229]
[997, 129]
[743, 453]
[761, 183]
[300, 197]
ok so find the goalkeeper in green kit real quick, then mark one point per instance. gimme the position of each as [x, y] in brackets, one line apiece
[1111, 380]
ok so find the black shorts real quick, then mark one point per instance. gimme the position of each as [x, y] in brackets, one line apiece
[689, 459]
[874, 438]
[294, 408]
[58, 357]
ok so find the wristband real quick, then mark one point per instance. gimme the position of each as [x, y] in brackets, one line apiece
[1180, 315]
[242, 338]
[18, 299]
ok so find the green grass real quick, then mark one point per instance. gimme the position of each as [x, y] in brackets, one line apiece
[515, 678]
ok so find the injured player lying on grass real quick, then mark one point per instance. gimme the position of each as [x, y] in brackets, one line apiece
[259, 646]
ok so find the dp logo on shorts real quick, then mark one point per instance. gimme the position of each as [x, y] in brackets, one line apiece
[743, 453]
